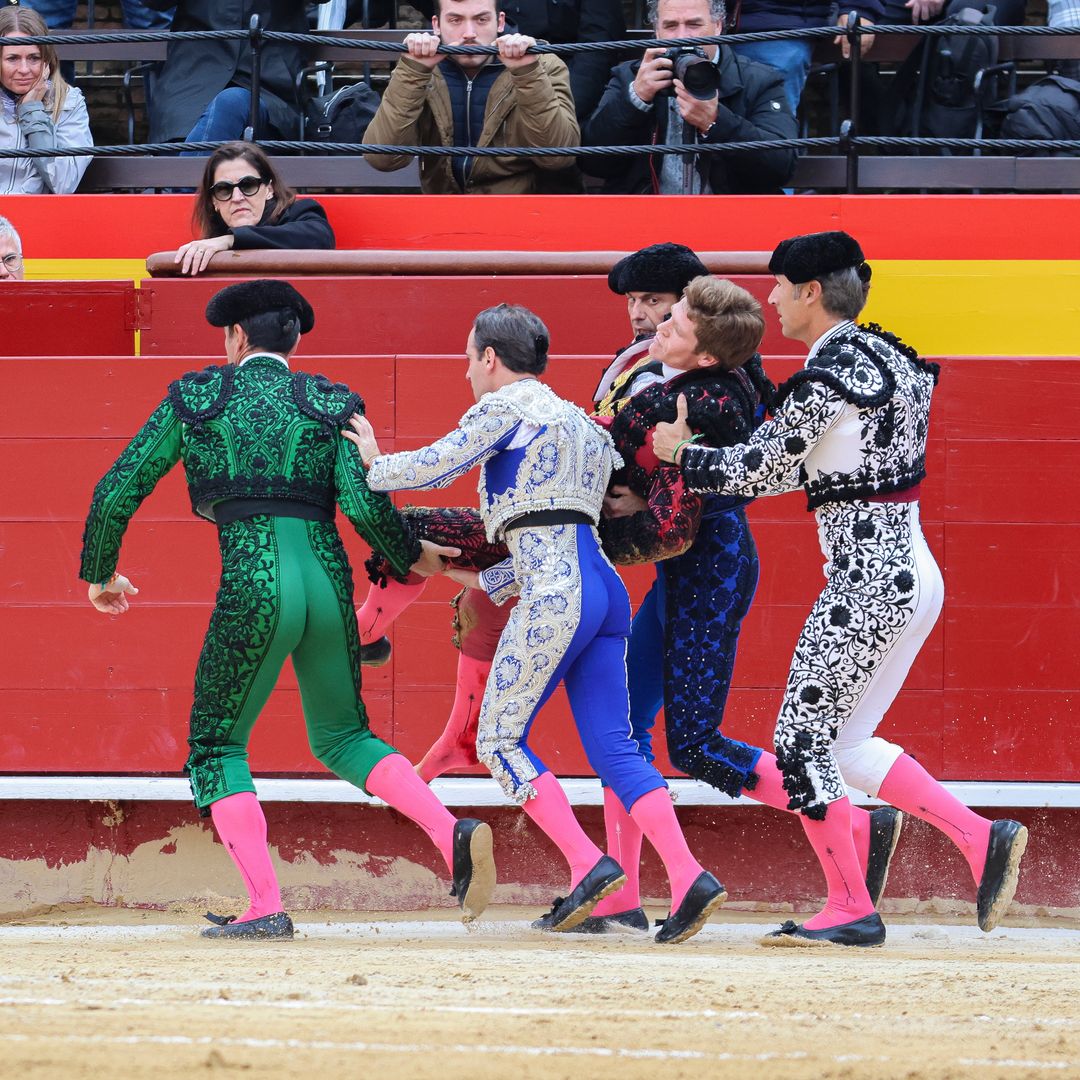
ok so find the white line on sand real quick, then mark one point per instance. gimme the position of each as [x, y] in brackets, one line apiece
[481, 1049]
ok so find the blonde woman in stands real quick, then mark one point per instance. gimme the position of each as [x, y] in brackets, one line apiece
[38, 111]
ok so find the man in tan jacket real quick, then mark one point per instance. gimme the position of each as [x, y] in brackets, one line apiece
[513, 99]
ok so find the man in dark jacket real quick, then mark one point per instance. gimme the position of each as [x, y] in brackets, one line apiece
[561, 22]
[645, 103]
[196, 72]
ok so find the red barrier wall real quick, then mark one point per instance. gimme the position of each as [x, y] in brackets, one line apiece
[991, 696]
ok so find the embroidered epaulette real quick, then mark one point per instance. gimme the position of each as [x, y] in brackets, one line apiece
[328, 402]
[201, 395]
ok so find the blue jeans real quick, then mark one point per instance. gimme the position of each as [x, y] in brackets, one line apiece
[60, 14]
[225, 118]
[791, 58]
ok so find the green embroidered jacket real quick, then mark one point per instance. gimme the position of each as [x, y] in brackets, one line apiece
[255, 431]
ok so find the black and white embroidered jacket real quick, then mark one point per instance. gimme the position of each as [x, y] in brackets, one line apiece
[851, 424]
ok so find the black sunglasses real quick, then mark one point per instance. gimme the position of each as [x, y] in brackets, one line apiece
[223, 190]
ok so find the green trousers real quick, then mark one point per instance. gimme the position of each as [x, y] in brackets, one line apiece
[286, 590]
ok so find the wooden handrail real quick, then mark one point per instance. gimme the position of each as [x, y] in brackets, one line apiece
[446, 263]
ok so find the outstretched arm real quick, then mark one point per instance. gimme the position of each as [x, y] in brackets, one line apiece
[483, 431]
[118, 494]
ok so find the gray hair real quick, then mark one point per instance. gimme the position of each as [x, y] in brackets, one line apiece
[518, 336]
[844, 293]
[717, 11]
[7, 229]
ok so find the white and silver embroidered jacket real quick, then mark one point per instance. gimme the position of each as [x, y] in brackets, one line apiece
[853, 423]
[535, 450]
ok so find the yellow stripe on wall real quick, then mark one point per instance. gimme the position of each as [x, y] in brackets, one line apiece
[977, 308]
[85, 269]
[941, 307]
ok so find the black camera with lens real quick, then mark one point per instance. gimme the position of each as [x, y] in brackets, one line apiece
[698, 73]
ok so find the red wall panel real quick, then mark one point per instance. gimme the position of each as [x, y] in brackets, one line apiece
[991, 696]
[77, 318]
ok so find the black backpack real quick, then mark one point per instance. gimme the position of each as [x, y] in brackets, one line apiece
[1048, 109]
[341, 117]
[933, 93]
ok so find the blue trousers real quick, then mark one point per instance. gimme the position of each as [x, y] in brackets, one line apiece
[570, 626]
[682, 649]
[225, 118]
[60, 14]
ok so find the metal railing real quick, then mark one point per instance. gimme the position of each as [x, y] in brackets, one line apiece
[848, 141]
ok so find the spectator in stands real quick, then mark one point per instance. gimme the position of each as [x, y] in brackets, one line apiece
[60, 14]
[645, 104]
[565, 21]
[1065, 13]
[38, 110]
[204, 90]
[793, 57]
[11, 260]
[513, 99]
[242, 204]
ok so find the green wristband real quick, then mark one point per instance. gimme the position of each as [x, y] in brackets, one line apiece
[683, 442]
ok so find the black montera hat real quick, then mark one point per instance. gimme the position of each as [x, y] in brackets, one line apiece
[235, 303]
[660, 268]
[806, 258]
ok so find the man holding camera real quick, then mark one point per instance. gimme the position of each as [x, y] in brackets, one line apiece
[684, 96]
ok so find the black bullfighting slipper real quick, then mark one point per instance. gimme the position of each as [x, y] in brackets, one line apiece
[997, 886]
[700, 901]
[277, 926]
[376, 654]
[602, 880]
[866, 933]
[634, 919]
[474, 867]
[885, 825]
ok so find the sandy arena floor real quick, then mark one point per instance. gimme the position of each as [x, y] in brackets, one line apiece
[129, 994]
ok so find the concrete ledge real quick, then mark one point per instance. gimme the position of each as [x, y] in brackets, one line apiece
[479, 791]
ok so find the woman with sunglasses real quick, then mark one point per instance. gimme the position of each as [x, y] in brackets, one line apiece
[38, 111]
[243, 204]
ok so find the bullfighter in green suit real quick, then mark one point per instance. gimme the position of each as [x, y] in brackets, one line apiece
[265, 462]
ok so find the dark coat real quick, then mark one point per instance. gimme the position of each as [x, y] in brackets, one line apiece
[564, 21]
[196, 71]
[303, 226]
[753, 106]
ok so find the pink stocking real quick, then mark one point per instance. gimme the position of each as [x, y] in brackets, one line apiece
[455, 748]
[241, 826]
[655, 815]
[624, 846]
[770, 791]
[382, 606]
[395, 782]
[832, 843]
[551, 810]
[909, 787]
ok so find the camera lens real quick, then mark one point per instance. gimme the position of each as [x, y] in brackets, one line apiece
[698, 73]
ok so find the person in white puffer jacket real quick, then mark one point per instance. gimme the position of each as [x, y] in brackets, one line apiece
[38, 110]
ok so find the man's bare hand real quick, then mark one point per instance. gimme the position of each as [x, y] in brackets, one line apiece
[469, 578]
[924, 11]
[360, 432]
[433, 558]
[697, 113]
[514, 50]
[668, 436]
[113, 598]
[654, 76]
[424, 49]
[620, 501]
[866, 41]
